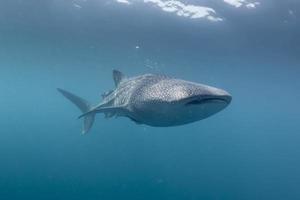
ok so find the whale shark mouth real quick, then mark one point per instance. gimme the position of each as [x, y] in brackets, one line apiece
[208, 100]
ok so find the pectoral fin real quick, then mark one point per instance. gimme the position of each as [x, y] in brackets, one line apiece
[116, 110]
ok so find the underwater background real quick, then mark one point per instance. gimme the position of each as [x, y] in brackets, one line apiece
[250, 150]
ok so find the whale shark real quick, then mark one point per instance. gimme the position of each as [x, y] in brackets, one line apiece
[154, 100]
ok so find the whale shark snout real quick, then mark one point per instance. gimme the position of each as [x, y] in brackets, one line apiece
[214, 95]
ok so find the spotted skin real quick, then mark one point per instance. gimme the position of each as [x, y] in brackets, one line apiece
[162, 101]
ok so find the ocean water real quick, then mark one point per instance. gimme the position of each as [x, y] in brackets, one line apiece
[249, 151]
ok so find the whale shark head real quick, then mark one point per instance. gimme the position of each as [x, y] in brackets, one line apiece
[192, 101]
[178, 102]
[193, 94]
[201, 101]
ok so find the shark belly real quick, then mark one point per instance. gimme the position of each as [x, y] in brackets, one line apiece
[165, 115]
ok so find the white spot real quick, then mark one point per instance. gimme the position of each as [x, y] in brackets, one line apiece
[77, 6]
[242, 3]
[291, 12]
[252, 5]
[169, 9]
[123, 1]
[186, 10]
[236, 3]
[137, 47]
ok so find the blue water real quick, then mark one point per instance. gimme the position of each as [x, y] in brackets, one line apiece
[249, 151]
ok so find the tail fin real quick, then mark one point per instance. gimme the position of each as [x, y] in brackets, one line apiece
[84, 106]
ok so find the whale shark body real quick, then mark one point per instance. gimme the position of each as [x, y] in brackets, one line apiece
[154, 100]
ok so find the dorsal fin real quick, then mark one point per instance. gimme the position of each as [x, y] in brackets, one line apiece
[118, 77]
